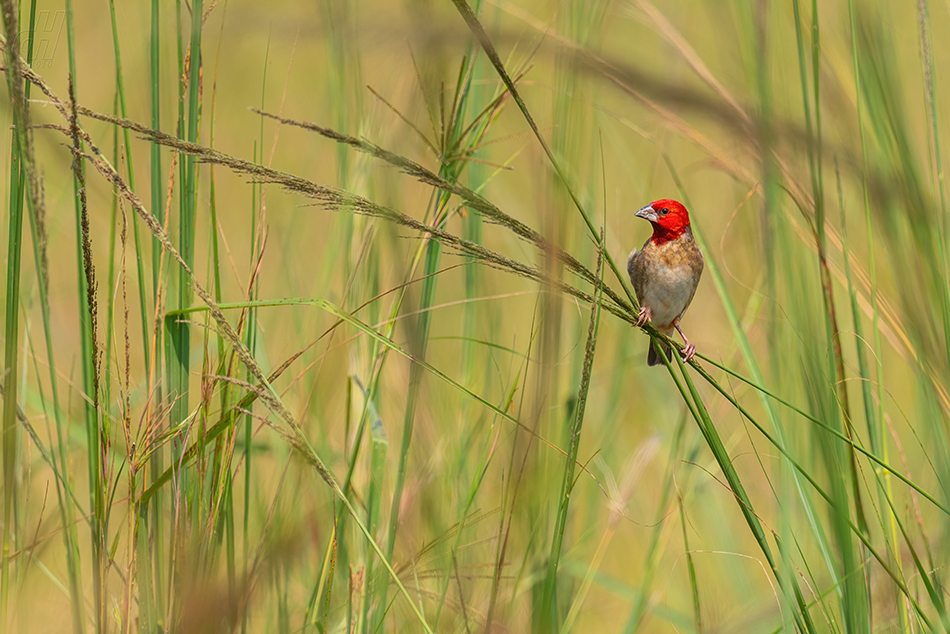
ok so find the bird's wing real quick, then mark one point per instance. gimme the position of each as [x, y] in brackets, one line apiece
[636, 269]
[630, 259]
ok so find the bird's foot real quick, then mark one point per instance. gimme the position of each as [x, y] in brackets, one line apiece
[643, 317]
[688, 352]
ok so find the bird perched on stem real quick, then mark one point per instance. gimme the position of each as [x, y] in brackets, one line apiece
[666, 272]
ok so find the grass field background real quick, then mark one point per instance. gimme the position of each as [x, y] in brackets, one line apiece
[358, 354]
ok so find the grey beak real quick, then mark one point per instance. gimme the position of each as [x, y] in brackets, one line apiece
[647, 213]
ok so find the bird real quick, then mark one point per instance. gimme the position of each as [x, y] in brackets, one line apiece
[665, 273]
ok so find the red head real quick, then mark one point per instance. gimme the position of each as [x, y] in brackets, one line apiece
[669, 218]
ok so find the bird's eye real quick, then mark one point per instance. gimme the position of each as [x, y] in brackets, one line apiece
[664, 211]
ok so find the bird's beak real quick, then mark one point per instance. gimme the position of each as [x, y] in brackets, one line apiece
[647, 213]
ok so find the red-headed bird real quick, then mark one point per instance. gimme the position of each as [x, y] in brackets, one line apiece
[666, 272]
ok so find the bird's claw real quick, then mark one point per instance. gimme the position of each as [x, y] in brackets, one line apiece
[643, 317]
[689, 352]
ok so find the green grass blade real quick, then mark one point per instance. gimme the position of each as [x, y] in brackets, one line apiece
[22, 154]
[549, 617]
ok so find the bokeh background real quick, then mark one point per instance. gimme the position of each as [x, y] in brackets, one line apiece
[508, 461]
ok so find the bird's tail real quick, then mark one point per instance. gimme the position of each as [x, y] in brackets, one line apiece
[653, 354]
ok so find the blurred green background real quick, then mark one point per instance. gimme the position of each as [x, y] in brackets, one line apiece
[450, 437]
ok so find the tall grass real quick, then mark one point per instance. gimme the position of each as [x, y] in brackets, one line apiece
[403, 393]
